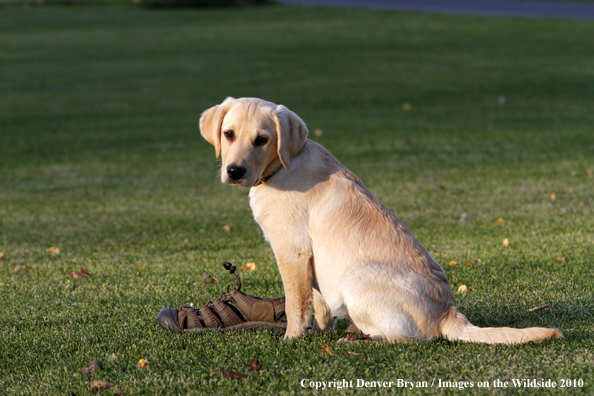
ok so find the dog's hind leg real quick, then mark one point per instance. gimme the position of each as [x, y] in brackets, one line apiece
[323, 318]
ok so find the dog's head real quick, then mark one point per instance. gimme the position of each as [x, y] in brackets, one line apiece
[253, 137]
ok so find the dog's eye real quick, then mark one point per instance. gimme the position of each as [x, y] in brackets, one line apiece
[261, 140]
[229, 135]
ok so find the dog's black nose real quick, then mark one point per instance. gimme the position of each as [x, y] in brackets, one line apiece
[235, 172]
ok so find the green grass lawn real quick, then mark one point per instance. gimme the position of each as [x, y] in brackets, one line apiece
[101, 156]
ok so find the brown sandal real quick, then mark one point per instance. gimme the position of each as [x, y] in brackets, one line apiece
[234, 310]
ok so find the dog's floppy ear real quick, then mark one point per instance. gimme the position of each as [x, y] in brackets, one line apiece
[211, 122]
[291, 132]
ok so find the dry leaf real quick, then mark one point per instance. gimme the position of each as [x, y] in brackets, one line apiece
[353, 353]
[462, 289]
[96, 385]
[186, 241]
[468, 264]
[569, 189]
[560, 259]
[209, 279]
[140, 267]
[83, 274]
[573, 173]
[94, 366]
[500, 220]
[229, 374]
[506, 242]
[538, 308]
[249, 267]
[54, 251]
[552, 197]
[326, 349]
[406, 107]
[2, 255]
[142, 364]
[24, 268]
[227, 227]
[255, 365]
[120, 393]
[590, 173]
[534, 233]
[464, 218]
[453, 263]
[318, 132]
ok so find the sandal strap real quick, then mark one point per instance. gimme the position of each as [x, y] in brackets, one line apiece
[210, 319]
[227, 314]
[193, 320]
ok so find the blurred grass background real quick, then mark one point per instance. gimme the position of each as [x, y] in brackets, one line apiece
[101, 156]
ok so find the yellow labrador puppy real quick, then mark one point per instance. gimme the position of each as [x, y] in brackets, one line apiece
[337, 246]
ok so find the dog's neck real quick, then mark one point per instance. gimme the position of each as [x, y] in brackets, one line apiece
[264, 179]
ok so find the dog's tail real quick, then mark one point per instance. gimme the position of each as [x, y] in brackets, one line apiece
[455, 326]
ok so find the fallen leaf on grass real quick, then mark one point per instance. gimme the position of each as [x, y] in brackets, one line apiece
[54, 251]
[96, 385]
[462, 289]
[318, 132]
[249, 267]
[83, 274]
[227, 227]
[120, 393]
[538, 308]
[140, 267]
[353, 353]
[24, 268]
[406, 107]
[94, 366]
[560, 259]
[590, 173]
[500, 220]
[209, 279]
[326, 349]
[506, 242]
[453, 263]
[569, 189]
[573, 173]
[229, 374]
[468, 264]
[255, 365]
[464, 218]
[552, 197]
[2, 255]
[142, 364]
